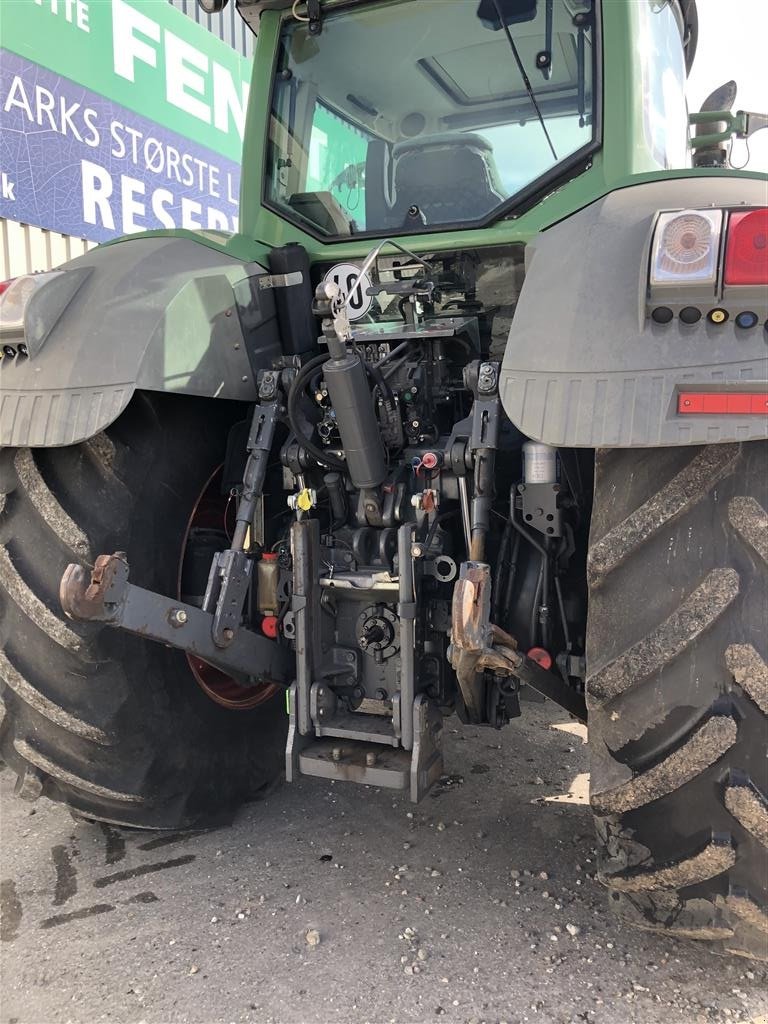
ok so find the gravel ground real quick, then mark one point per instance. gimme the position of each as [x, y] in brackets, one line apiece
[327, 903]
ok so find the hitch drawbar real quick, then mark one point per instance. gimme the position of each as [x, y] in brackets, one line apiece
[105, 595]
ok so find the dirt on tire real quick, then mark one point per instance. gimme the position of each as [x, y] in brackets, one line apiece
[678, 689]
[113, 725]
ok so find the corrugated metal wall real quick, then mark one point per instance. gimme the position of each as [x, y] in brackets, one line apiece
[228, 25]
[25, 249]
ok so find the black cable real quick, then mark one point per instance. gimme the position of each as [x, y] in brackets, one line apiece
[294, 395]
[526, 80]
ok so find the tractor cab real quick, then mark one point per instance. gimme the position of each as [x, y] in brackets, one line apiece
[404, 118]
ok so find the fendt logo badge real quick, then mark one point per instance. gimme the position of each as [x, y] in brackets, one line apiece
[345, 275]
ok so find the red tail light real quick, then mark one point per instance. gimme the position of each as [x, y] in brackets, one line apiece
[4, 285]
[746, 249]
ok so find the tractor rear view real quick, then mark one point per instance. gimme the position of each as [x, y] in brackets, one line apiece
[473, 405]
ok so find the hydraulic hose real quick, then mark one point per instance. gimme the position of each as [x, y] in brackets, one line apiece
[294, 395]
[382, 384]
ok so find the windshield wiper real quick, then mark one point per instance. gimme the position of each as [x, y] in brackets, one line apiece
[526, 80]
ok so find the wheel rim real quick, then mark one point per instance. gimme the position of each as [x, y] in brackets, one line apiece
[210, 510]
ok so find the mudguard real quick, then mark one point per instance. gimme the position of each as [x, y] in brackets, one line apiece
[586, 366]
[154, 312]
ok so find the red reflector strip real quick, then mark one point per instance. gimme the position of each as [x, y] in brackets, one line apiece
[729, 403]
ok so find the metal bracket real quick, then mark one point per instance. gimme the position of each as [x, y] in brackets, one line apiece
[346, 759]
[315, 17]
[540, 509]
[228, 584]
[427, 756]
[105, 595]
[267, 281]
[305, 605]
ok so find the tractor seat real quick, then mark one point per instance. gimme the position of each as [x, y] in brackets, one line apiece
[451, 177]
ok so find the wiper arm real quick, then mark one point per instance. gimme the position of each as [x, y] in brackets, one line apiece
[526, 79]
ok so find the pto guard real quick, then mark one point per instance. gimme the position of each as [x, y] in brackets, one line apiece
[160, 313]
[585, 366]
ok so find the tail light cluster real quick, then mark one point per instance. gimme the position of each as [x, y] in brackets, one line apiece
[701, 256]
[713, 264]
[31, 305]
[14, 299]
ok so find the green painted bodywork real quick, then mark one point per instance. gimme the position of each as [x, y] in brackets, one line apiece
[164, 281]
[623, 160]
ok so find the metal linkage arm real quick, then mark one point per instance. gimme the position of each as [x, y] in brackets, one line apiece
[478, 645]
[231, 572]
[105, 595]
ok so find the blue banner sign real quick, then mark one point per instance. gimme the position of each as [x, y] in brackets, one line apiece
[80, 164]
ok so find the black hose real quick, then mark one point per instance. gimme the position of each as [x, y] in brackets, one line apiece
[546, 625]
[393, 353]
[433, 528]
[544, 568]
[498, 581]
[381, 383]
[294, 395]
[563, 619]
[512, 574]
[395, 366]
[534, 624]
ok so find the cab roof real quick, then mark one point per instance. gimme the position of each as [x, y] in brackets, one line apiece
[251, 11]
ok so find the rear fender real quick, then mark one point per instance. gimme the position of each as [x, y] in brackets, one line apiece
[159, 313]
[585, 366]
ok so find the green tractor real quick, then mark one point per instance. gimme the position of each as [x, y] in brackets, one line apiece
[472, 406]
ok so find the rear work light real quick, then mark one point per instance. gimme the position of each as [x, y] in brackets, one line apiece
[685, 248]
[746, 248]
[14, 299]
[723, 403]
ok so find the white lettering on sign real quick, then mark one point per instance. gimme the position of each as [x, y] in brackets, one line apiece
[130, 202]
[74, 11]
[126, 45]
[131, 207]
[201, 87]
[97, 189]
[54, 113]
[161, 200]
[183, 64]
[7, 187]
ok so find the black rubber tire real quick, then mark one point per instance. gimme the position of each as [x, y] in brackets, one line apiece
[677, 689]
[115, 726]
